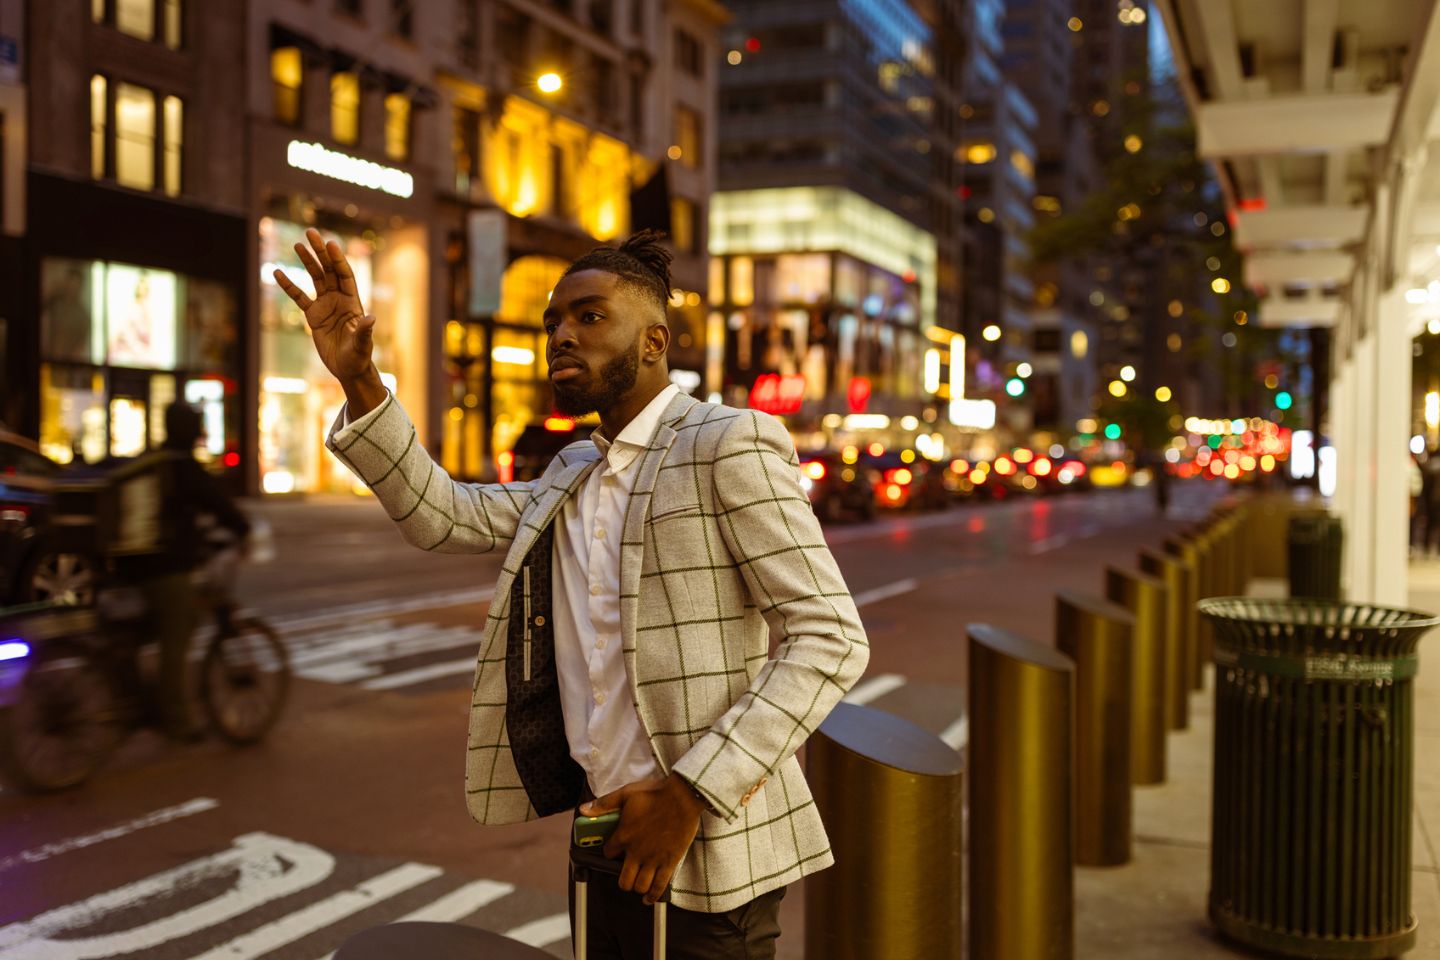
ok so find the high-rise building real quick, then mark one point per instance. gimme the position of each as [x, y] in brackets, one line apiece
[465, 152]
[135, 267]
[825, 257]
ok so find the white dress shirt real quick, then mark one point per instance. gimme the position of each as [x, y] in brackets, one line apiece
[601, 723]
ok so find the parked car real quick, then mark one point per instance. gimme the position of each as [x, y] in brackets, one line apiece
[32, 566]
[838, 490]
[916, 485]
[539, 443]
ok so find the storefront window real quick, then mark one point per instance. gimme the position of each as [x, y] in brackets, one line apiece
[397, 126]
[72, 413]
[69, 289]
[140, 308]
[803, 277]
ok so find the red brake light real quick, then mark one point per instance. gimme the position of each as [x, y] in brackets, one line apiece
[899, 476]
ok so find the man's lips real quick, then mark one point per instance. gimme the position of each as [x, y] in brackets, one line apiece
[565, 369]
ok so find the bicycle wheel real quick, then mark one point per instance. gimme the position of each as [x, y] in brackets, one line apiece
[245, 679]
[62, 723]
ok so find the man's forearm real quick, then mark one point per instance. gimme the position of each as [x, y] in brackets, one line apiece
[364, 393]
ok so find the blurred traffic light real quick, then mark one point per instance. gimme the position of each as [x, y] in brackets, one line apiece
[1015, 387]
[1112, 431]
[1283, 400]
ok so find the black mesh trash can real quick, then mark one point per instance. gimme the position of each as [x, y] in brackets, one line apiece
[1314, 543]
[1313, 783]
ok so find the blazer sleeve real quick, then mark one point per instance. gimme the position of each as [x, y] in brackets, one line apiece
[774, 538]
[431, 510]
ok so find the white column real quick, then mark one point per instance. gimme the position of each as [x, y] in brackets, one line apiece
[1360, 537]
[1342, 438]
[1389, 491]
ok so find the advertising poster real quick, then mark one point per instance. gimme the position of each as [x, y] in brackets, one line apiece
[140, 313]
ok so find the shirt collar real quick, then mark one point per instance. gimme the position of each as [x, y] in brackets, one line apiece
[636, 435]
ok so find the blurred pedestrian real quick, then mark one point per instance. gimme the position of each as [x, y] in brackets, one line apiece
[627, 652]
[183, 495]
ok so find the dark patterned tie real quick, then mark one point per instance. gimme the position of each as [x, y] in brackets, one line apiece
[533, 716]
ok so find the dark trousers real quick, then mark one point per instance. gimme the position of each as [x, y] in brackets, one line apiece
[622, 927]
[172, 608]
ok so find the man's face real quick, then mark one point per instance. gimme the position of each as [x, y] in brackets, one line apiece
[596, 328]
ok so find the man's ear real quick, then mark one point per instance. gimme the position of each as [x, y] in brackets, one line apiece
[657, 342]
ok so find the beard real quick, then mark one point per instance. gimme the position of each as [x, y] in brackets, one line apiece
[617, 377]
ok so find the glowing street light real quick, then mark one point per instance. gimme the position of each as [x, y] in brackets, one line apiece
[549, 82]
[1220, 285]
[1024, 370]
[991, 333]
[1127, 373]
[1117, 389]
[1163, 394]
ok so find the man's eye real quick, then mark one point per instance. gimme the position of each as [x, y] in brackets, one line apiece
[550, 329]
[590, 316]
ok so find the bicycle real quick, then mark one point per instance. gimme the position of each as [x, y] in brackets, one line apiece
[73, 683]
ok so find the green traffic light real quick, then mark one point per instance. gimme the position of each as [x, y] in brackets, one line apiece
[1283, 400]
[1015, 386]
[1112, 431]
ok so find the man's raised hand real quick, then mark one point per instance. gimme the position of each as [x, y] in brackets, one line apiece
[338, 324]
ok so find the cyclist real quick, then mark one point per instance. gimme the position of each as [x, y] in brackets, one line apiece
[176, 493]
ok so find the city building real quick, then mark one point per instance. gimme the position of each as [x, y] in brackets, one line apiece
[825, 258]
[129, 284]
[465, 153]
[13, 172]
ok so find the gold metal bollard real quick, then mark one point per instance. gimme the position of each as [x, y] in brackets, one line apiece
[1021, 888]
[1146, 599]
[1098, 636]
[1172, 571]
[892, 797]
[1188, 552]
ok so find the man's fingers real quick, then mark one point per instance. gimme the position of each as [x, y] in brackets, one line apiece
[364, 328]
[644, 878]
[658, 884]
[323, 257]
[343, 273]
[628, 872]
[312, 267]
[611, 801]
[301, 298]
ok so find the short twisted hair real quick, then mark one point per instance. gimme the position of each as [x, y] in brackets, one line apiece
[640, 262]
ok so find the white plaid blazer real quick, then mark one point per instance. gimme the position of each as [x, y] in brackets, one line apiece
[721, 551]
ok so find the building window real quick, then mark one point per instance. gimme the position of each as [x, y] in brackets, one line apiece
[465, 144]
[402, 18]
[467, 34]
[99, 116]
[174, 114]
[688, 53]
[397, 126]
[682, 224]
[602, 16]
[287, 70]
[977, 151]
[147, 20]
[1023, 164]
[345, 107]
[687, 145]
[134, 137]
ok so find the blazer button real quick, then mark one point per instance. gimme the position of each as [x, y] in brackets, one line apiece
[539, 621]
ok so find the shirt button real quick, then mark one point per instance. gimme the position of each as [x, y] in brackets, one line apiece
[599, 533]
[539, 621]
[594, 753]
[600, 644]
[600, 699]
[594, 589]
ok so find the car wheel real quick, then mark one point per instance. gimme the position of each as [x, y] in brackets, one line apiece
[64, 578]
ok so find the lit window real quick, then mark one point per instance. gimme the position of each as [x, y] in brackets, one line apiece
[980, 151]
[287, 71]
[1022, 163]
[687, 136]
[97, 125]
[136, 18]
[97, 11]
[682, 224]
[345, 107]
[174, 141]
[134, 136]
[171, 13]
[397, 126]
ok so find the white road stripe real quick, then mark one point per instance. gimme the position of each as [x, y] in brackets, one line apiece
[886, 592]
[189, 808]
[460, 902]
[452, 598]
[388, 643]
[431, 671]
[874, 688]
[539, 933]
[957, 734]
[317, 916]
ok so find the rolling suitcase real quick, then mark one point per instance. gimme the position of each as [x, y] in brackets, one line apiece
[584, 862]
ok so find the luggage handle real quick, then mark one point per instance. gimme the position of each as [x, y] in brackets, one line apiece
[584, 861]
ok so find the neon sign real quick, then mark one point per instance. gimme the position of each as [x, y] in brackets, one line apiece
[317, 158]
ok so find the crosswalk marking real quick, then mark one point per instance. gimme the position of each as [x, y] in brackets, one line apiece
[873, 688]
[431, 671]
[546, 930]
[886, 592]
[317, 916]
[189, 808]
[957, 734]
[460, 902]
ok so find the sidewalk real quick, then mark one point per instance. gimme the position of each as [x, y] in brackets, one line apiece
[1155, 905]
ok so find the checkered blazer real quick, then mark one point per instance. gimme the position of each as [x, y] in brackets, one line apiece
[720, 552]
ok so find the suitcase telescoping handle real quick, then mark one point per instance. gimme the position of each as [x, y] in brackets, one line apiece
[585, 861]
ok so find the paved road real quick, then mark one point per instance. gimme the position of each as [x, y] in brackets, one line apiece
[351, 813]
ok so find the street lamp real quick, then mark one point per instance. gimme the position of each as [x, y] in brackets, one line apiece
[549, 82]
[991, 333]
[1127, 373]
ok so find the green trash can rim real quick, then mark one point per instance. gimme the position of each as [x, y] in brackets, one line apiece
[1316, 612]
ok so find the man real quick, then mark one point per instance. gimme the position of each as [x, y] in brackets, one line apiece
[178, 492]
[627, 650]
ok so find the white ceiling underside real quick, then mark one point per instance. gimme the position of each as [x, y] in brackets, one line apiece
[1300, 105]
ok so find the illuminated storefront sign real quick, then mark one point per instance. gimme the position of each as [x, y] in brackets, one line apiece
[775, 394]
[316, 158]
[975, 414]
